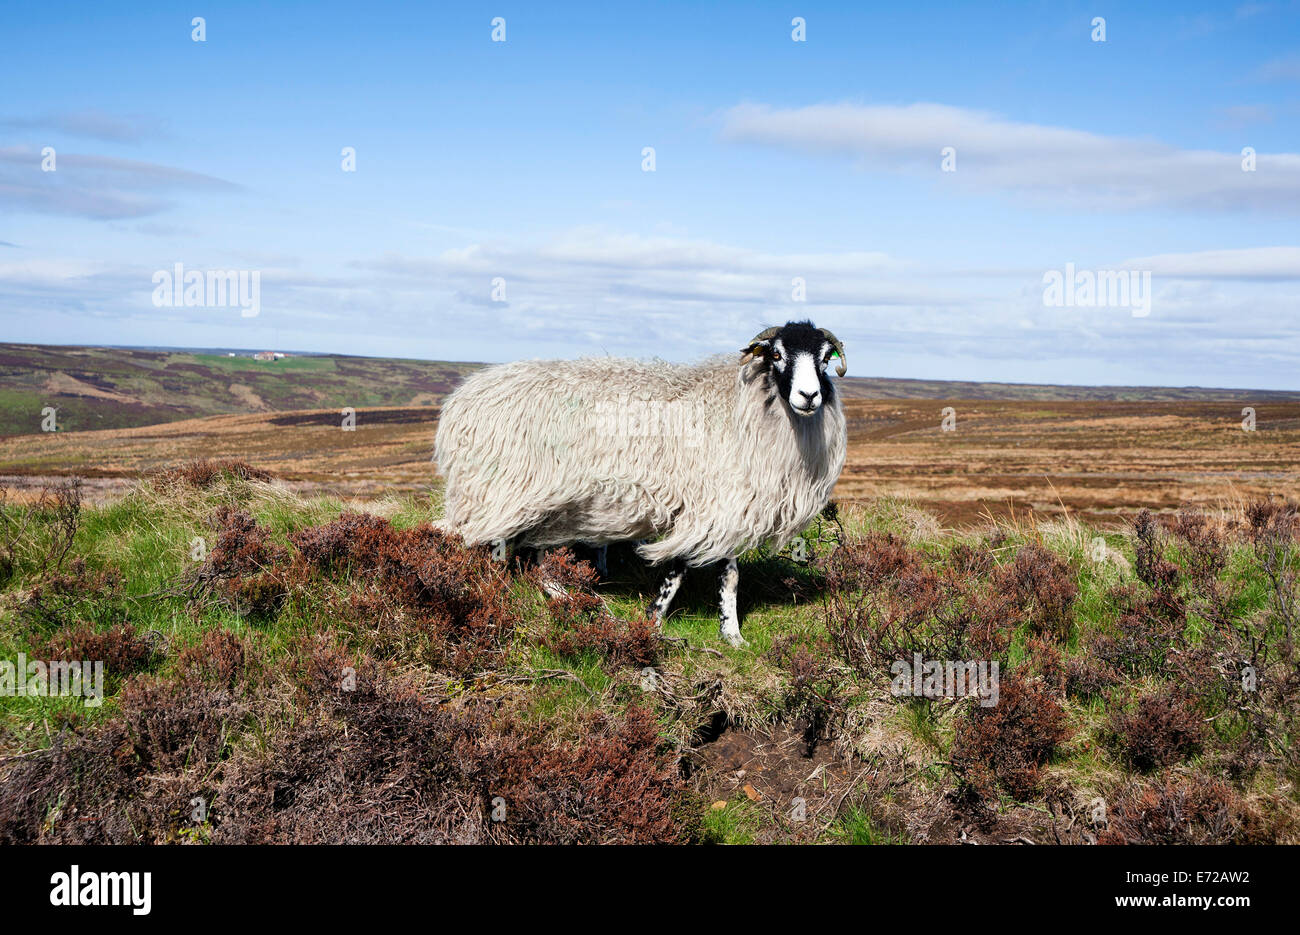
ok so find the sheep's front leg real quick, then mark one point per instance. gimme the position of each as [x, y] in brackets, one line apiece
[667, 591]
[727, 615]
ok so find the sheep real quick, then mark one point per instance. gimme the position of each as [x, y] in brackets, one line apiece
[703, 461]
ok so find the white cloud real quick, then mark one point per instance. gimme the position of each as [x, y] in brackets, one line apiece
[1222, 317]
[1075, 166]
[92, 186]
[627, 287]
[1215, 315]
[1260, 263]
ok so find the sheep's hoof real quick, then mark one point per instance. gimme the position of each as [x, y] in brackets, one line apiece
[735, 639]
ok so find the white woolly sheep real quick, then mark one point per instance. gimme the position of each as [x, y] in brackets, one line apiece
[704, 460]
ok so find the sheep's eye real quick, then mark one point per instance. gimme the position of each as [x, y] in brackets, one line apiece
[776, 355]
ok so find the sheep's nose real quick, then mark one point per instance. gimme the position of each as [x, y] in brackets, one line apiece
[810, 397]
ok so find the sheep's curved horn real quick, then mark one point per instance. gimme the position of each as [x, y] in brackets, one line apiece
[765, 335]
[843, 365]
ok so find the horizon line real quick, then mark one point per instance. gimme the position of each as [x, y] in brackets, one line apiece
[480, 363]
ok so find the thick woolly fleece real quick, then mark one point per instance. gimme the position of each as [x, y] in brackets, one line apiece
[706, 460]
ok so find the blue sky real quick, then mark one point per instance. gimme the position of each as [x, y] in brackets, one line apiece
[774, 160]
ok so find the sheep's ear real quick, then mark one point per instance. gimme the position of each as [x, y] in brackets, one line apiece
[761, 340]
[839, 351]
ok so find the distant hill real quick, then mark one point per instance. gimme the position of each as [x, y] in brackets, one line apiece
[112, 388]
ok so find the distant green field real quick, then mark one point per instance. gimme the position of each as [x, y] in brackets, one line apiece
[248, 365]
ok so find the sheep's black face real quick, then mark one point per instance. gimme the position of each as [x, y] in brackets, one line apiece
[797, 356]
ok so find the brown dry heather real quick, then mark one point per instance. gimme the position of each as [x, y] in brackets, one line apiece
[968, 560]
[1087, 677]
[122, 649]
[614, 786]
[219, 660]
[1274, 530]
[1205, 546]
[360, 754]
[1044, 588]
[884, 601]
[372, 761]
[1006, 745]
[1191, 808]
[1162, 731]
[1046, 663]
[174, 727]
[129, 781]
[1156, 571]
[328, 675]
[205, 472]
[814, 703]
[240, 567]
[83, 789]
[427, 596]
[585, 623]
[1141, 638]
[374, 764]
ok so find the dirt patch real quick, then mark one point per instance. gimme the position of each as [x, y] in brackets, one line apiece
[403, 416]
[248, 398]
[65, 384]
[775, 770]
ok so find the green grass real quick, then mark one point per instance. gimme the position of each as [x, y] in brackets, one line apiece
[857, 827]
[738, 822]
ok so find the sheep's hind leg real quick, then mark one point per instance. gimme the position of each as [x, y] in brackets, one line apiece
[727, 616]
[667, 591]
